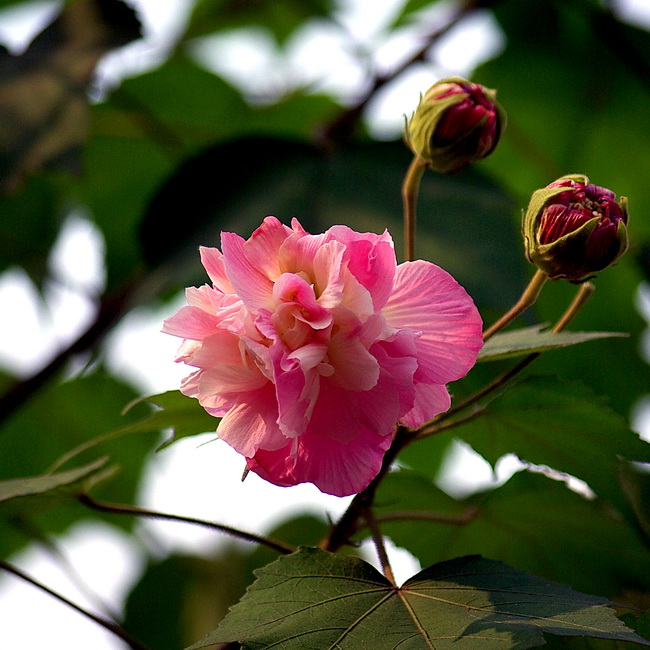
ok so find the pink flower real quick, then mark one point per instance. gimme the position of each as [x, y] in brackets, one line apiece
[311, 348]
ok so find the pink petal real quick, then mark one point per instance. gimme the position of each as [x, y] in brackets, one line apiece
[430, 400]
[191, 323]
[371, 259]
[292, 288]
[335, 468]
[212, 261]
[262, 249]
[251, 424]
[200, 297]
[429, 301]
[252, 286]
[354, 367]
[327, 274]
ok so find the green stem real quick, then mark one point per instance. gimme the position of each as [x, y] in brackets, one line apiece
[122, 509]
[584, 293]
[528, 298]
[410, 190]
[106, 624]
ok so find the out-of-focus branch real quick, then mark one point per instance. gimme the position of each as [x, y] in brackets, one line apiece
[106, 624]
[342, 127]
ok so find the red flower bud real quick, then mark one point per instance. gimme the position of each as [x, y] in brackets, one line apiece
[456, 123]
[573, 229]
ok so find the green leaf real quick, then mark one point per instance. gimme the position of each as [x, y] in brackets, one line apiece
[406, 15]
[533, 339]
[183, 415]
[635, 481]
[21, 487]
[181, 597]
[531, 522]
[319, 600]
[558, 424]
[282, 17]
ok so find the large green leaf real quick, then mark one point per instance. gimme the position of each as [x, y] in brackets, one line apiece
[561, 425]
[532, 339]
[314, 599]
[357, 185]
[531, 522]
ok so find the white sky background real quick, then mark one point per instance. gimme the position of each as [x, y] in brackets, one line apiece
[190, 479]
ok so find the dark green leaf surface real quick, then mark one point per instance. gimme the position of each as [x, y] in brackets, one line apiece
[532, 339]
[561, 425]
[531, 522]
[313, 599]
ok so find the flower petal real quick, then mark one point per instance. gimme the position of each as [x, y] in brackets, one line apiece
[251, 424]
[212, 261]
[335, 468]
[250, 284]
[191, 323]
[430, 302]
[430, 400]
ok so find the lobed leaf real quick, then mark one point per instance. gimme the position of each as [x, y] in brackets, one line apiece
[315, 599]
[531, 522]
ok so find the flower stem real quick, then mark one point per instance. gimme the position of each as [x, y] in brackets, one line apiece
[106, 624]
[584, 293]
[122, 509]
[410, 190]
[528, 298]
[378, 540]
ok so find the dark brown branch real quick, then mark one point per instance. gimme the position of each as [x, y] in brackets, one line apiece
[348, 523]
[342, 127]
[123, 509]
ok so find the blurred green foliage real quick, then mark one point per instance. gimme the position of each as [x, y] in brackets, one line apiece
[169, 158]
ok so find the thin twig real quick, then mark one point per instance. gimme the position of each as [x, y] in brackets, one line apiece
[123, 509]
[106, 624]
[342, 126]
[33, 533]
[435, 517]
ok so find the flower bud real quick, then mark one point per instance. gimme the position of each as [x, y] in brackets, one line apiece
[573, 229]
[456, 123]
